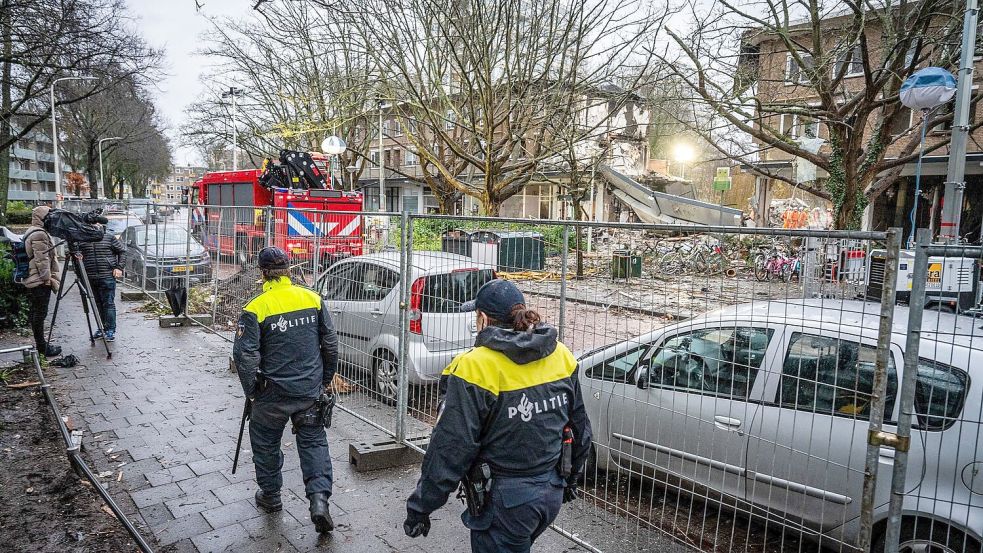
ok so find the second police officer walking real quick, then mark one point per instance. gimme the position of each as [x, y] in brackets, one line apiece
[286, 353]
[505, 428]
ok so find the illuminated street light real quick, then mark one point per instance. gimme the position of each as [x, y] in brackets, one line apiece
[683, 153]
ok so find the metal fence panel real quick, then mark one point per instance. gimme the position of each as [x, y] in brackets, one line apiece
[937, 482]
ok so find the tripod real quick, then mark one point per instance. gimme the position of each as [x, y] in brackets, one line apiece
[85, 290]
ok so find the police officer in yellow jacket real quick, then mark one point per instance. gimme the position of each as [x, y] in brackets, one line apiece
[509, 404]
[286, 353]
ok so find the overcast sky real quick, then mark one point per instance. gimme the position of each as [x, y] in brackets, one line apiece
[175, 26]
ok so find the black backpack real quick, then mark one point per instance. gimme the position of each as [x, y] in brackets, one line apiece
[22, 261]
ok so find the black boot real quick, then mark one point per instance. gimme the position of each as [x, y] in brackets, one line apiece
[52, 351]
[269, 502]
[319, 513]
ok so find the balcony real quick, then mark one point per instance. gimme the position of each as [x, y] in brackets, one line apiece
[45, 156]
[23, 153]
[16, 173]
[45, 176]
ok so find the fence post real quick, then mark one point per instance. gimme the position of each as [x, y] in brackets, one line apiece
[319, 223]
[215, 262]
[916, 308]
[187, 259]
[146, 255]
[879, 392]
[564, 257]
[405, 264]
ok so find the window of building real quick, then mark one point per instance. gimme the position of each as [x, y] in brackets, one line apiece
[430, 204]
[397, 128]
[797, 126]
[411, 202]
[385, 127]
[374, 156]
[832, 376]
[450, 120]
[902, 122]
[946, 110]
[412, 159]
[796, 74]
[852, 59]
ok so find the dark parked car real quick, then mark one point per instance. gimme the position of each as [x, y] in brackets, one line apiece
[164, 255]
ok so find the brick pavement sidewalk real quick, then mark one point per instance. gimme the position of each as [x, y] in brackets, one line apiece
[162, 417]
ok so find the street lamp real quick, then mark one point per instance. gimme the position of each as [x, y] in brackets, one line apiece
[333, 146]
[925, 90]
[102, 186]
[351, 176]
[232, 93]
[54, 128]
[683, 153]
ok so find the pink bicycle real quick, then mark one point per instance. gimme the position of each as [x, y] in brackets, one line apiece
[774, 264]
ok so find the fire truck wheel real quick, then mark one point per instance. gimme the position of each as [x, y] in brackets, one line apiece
[385, 368]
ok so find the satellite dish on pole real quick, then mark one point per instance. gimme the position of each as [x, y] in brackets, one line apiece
[334, 146]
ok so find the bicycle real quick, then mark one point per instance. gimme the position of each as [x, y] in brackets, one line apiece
[775, 264]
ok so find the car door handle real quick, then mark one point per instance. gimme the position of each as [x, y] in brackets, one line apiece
[727, 423]
[375, 312]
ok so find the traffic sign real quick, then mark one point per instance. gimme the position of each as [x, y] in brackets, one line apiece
[722, 181]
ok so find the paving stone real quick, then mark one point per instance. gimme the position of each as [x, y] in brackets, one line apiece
[156, 515]
[230, 514]
[181, 528]
[211, 481]
[195, 502]
[183, 546]
[213, 464]
[158, 494]
[236, 492]
[227, 537]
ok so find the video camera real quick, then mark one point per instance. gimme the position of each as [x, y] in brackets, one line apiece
[75, 227]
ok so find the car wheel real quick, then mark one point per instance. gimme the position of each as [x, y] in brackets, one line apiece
[385, 372]
[920, 535]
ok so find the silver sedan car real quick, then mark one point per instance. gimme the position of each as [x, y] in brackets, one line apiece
[767, 406]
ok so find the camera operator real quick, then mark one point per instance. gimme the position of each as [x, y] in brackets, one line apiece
[42, 279]
[104, 264]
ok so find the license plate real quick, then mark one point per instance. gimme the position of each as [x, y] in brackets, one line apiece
[181, 268]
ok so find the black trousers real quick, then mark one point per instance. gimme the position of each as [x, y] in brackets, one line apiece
[38, 299]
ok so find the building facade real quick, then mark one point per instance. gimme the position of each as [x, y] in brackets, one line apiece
[32, 168]
[620, 141]
[779, 80]
[172, 189]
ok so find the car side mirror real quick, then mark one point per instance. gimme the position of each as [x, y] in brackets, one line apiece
[643, 377]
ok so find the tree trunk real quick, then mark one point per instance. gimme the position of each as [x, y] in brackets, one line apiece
[91, 160]
[579, 236]
[492, 205]
[5, 107]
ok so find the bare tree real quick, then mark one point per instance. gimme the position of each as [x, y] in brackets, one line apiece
[43, 40]
[124, 111]
[301, 81]
[778, 72]
[478, 84]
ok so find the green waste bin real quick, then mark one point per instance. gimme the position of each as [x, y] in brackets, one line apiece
[625, 265]
[509, 251]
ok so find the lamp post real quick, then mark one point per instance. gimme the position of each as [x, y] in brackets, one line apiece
[351, 176]
[382, 176]
[54, 128]
[102, 185]
[232, 93]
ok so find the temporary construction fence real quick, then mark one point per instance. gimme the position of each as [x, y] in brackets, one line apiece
[749, 389]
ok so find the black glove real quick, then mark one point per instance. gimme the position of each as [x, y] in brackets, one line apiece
[569, 493]
[417, 524]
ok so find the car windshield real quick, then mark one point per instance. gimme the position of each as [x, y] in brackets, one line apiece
[161, 235]
[116, 226]
[445, 293]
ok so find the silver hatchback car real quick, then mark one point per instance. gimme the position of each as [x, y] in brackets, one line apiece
[362, 294]
[767, 406]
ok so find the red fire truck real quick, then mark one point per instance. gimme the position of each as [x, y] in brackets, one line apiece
[232, 225]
